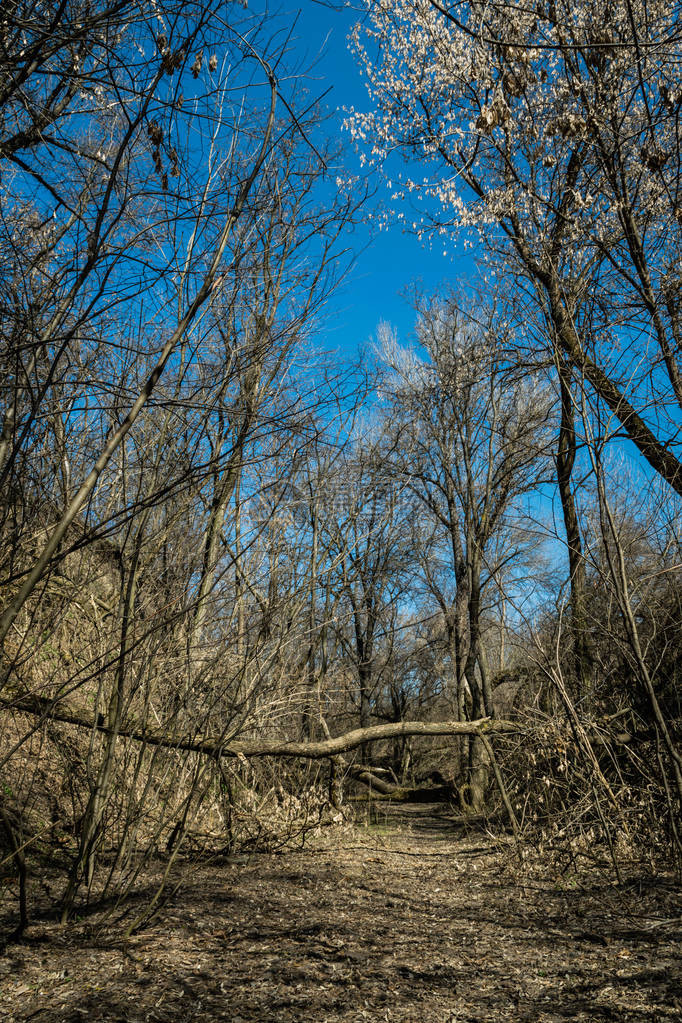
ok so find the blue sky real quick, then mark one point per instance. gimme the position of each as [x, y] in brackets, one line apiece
[390, 261]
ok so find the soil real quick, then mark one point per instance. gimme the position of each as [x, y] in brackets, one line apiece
[413, 920]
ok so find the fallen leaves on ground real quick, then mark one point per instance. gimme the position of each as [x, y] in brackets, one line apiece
[419, 923]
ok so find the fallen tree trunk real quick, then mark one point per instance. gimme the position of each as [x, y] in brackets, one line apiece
[401, 793]
[228, 746]
[368, 778]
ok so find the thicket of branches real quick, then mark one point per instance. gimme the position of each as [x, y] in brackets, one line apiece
[220, 551]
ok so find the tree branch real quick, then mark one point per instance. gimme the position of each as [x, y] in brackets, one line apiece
[224, 747]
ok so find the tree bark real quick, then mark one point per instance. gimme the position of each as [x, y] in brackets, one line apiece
[654, 451]
[224, 746]
[565, 459]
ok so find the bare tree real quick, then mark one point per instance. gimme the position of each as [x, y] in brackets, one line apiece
[364, 530]
[473, 435]
[180, 248]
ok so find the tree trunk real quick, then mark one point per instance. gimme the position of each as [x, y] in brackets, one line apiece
[224, 746]
[565, 459]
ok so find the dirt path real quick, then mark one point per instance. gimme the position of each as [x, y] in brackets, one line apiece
[422, 924]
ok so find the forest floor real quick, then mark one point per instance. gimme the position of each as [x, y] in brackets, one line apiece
[415, 921]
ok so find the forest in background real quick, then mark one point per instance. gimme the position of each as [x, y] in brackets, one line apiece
[241, 576]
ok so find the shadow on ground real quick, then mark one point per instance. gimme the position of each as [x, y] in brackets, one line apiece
[423, 923]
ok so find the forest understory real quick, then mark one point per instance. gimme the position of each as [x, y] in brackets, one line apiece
[265, 555]
[413, 918]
